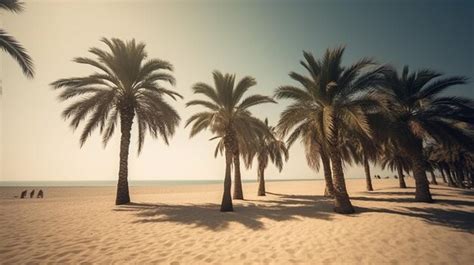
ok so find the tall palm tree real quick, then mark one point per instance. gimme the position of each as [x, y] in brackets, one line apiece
[364, 149]
[422, 113]
[126, 87]
[269, 147]
[338, 98]
[362, 152]
[313, 142]
[394, 159]
[11, 45]
[227, 116]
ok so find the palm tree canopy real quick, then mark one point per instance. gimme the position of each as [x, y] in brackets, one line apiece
[393, 158]
[126, 83]
[11, 5]
[331, 96]
[10, 45]
[423, 112]
[453, 155]
[268, 148]
[227, 109]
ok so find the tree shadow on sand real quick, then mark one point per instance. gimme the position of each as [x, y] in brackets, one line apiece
[454, 219]
[283, 207]
[249, 213]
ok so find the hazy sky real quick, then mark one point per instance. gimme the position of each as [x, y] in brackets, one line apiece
[263, 39]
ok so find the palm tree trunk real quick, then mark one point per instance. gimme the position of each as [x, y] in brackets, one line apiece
[329, 191]
[261, 181]
[401, 178]
[226, 205]
[422, 188]
[471, 176]
[126, 121]
[342, 203]
[442, 174]
[450, 178]
[238, 193]
[433, 178]
[368, 180]
[460, 175]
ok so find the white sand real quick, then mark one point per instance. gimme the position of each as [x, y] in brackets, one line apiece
[183, 225]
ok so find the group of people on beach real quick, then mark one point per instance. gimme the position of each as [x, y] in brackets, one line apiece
[32, 194]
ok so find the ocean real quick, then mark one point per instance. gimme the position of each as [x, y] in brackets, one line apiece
[137, 183]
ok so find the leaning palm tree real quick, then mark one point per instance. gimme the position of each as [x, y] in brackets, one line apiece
[11, 45]
[126, 87]
[227, 116]
[422, 114]
[268, 148]
[338, 98]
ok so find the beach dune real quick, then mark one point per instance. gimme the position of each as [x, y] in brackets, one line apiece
[293, 224]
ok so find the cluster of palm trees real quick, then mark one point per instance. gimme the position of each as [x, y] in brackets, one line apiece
[361, 113]
[370, 112]
[342, 114]
[454, 162]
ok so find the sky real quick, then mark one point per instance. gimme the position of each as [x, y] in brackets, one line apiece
[262, 38]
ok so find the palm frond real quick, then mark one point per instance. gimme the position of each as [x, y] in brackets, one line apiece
[16, 50]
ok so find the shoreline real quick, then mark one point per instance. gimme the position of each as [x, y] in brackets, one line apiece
[293, 224]
[139, 183]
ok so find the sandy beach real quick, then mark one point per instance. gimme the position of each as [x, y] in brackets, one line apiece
[293, 224]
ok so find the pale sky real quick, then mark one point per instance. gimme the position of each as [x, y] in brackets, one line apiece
[263, 39]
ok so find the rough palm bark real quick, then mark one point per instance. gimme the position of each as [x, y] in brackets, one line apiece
[261, 181]
[422, 189]
[226, 205]
[329, 190]
[450, 178]
[442, 175]
[238, 191]
[342, 203]
[401, 178]
[433, 178]
[126, 120]
[461, 177]
[367, 175]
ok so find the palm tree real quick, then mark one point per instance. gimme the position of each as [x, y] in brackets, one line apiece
[313, 143]
[421, 114]
[228, 117]
[429, 162]
[456, 160]
[362, 152]
[269, 147]
[11, 45]
[128, 87]
[363, 149]
[394, 159]
[338, 98]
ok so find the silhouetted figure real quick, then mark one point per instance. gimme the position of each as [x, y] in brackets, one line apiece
[23, 194]
[40, 194]
[32, 193]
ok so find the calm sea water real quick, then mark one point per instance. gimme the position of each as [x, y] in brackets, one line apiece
[106, 183]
